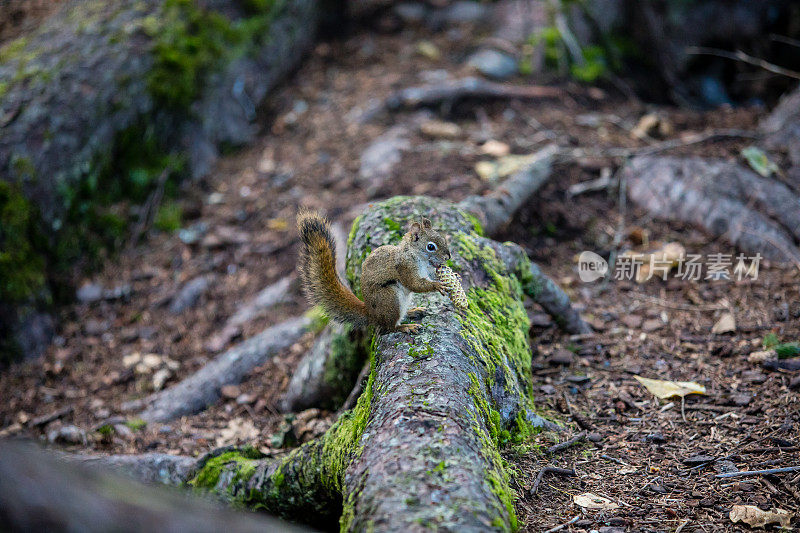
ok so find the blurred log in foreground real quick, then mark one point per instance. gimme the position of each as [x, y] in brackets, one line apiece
[39, 492]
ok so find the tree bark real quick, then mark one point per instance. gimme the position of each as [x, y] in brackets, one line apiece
[758, 214]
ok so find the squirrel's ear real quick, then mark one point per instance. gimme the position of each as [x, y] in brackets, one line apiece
[426, 223]
[415, 230]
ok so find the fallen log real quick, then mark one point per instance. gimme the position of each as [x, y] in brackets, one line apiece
[39, 492]
[421, 445]
[229, 368]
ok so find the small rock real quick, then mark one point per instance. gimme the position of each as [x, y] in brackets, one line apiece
[411, 12]
[230, 392]
[561, 357]
[583, 524]
[493, 64]
[696, 460]
[753, 376]
[429, 50]
[189, 294]
[655, 438]
[94, 327]
[741, 399]
[245, 399]
[594, 437]
[795, 383]
[383, 154]
[124, 432]
[547, 389]
[725, 467]
[652, 325]
[631, 321]
[193, 233]
[578, 379]
[67, 435]
[464, 12]
[541, 320]
[89, 292]
[760, 357]
[611, 529]
[160, 378]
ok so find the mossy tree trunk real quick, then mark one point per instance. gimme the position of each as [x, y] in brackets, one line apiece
[421, 447]
[106, 98]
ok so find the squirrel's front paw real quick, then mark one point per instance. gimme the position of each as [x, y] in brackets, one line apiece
[441, 288]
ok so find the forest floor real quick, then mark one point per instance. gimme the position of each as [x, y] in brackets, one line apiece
[238, 230]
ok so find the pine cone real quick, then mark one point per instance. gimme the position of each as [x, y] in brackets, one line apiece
[452, 283]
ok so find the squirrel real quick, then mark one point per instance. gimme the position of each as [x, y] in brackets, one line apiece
[388, 275]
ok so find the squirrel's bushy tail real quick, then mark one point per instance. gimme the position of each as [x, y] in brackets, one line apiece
[318, 272]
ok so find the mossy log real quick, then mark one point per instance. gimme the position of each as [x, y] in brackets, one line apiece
[421, 447]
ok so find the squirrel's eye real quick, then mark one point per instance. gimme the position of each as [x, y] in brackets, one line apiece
[431, 247]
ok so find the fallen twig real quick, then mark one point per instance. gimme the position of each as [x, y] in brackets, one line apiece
[46, 419]
[766, 449]
[451, 91]
[551, 470]
[744, 58]
[561, 446]
[565, 524]
[749, 473]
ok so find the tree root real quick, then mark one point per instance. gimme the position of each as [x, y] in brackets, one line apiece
[203, 387]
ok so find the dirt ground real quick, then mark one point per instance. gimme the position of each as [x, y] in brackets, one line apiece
[640, 449]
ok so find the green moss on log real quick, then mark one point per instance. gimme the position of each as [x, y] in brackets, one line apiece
[309, 478]
[22, 266]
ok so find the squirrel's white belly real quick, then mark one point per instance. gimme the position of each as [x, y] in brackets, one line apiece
[403, 300]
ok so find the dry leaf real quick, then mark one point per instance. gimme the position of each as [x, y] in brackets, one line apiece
[238, 430]
[587, 500]
[505, 166]
[755, 517]
[725, 324]
[429, 50]
[439, 129]
[760, 357]
[495, 148]
[667, 389]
